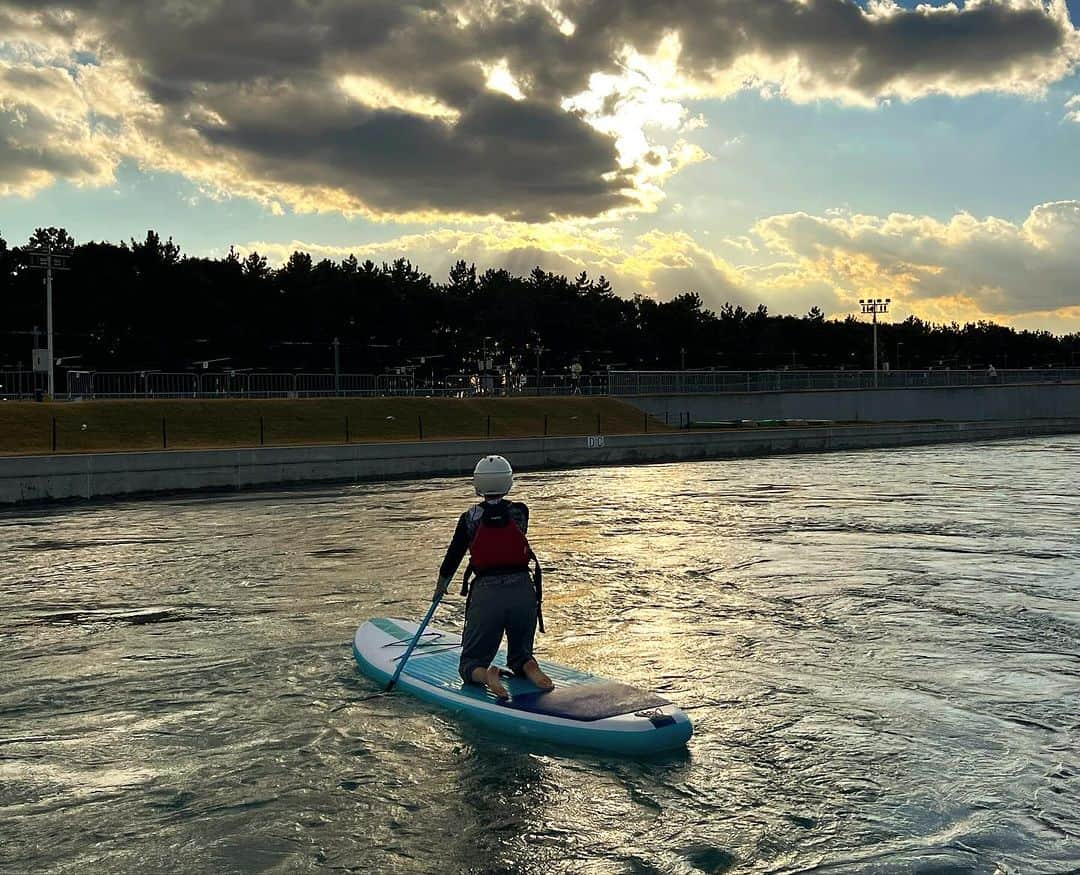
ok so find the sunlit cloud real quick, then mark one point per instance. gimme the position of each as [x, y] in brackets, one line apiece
[965, 267]
[372, 93]
[637, 104]
[1072, 106]
[536, 111]
[961, 269]
[499, 78]
[46, 130]
[653, 264]
[543, 132]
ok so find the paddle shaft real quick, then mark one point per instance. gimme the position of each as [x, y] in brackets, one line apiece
[416, 638]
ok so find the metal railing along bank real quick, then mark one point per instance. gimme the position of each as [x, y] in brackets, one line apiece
[23, 384]
[250, 384]
[245, 384]
[711, 382]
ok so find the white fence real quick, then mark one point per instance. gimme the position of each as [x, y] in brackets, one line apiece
[159, 384]
[250, 384]
[709, 382]
[242, 384]
[22, 384]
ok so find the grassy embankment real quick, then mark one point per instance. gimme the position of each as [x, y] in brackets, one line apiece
[98, 426]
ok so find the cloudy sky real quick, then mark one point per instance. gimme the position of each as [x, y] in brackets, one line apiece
[787, 152]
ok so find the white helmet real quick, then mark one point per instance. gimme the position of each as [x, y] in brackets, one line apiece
[493, 476]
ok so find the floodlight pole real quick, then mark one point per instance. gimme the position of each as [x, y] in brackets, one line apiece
[47, 261]
[538, 349]
[873, 306]
[337, 366]
[48, 320]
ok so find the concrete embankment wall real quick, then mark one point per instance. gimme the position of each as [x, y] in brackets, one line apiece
[974, 403]
[102, 475]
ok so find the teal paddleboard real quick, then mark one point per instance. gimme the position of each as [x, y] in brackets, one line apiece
[582, 711]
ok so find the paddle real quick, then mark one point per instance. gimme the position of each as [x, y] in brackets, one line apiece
[416, 638]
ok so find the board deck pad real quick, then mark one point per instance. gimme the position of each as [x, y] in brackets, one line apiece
[582, 710]
[435, 661]
[592, 702]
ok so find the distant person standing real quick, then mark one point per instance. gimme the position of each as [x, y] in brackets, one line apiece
[991, 373]
[502, 597]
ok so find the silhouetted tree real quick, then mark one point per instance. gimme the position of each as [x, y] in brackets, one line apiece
[463, 278]
[57, 238]
[143, 304]
[255, 266]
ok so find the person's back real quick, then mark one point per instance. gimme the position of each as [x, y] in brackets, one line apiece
[496, 531]
[501, 596]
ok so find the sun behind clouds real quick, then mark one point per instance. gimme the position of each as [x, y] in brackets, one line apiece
[480, 122]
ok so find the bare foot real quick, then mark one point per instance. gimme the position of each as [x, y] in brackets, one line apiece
[494, 683]
[534, 673]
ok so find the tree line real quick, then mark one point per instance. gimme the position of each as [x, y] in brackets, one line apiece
[144, 305]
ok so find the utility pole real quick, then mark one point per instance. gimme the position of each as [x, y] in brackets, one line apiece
[49, 322]
[485, 366]
[337, 366]
[48, 261]
[538, 349]
[874, 306]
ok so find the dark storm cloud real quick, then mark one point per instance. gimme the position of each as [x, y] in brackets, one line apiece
[268, 75]
[836, 41]
[517, 159]
[179, 45]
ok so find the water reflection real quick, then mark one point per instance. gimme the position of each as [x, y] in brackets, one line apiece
[880, 651]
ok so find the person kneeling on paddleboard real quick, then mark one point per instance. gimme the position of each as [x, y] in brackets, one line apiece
[502, 597]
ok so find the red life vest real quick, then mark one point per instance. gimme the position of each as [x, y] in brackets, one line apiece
[498, 543]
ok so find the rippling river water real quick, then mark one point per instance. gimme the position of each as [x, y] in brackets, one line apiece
[880, 651]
